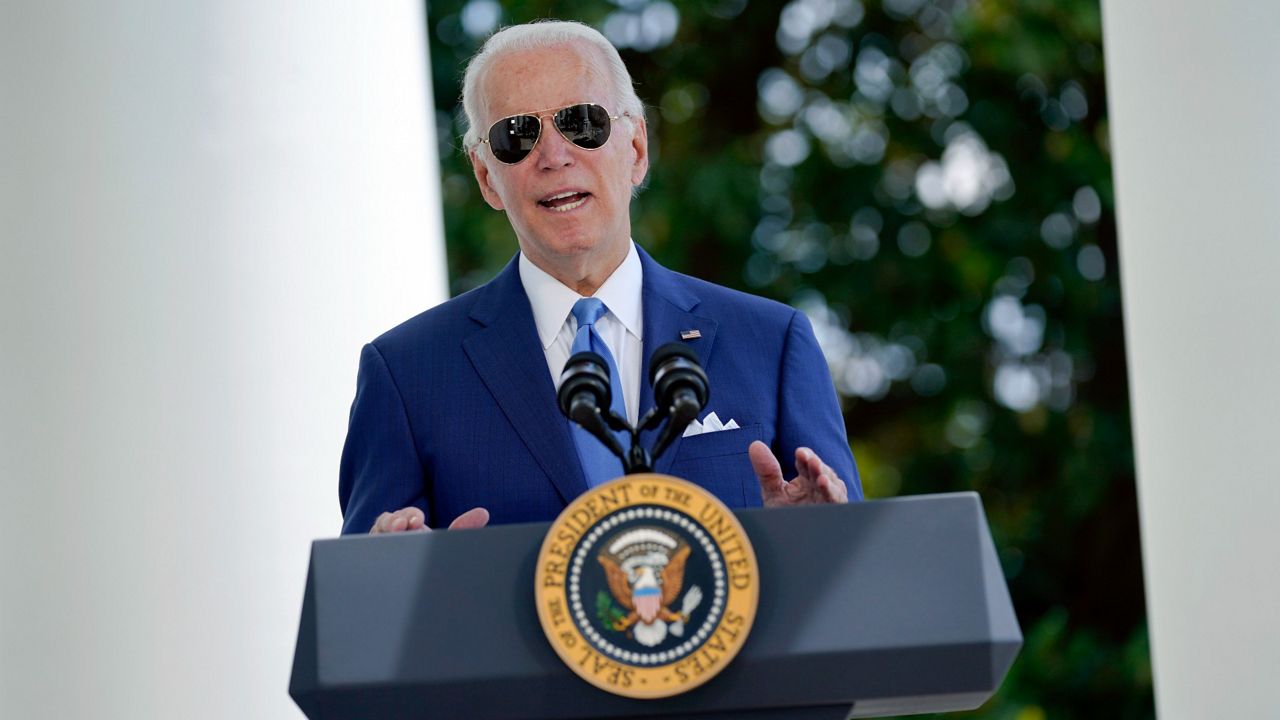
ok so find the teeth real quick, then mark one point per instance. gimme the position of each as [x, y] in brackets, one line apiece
[570, 206]
[561, 195]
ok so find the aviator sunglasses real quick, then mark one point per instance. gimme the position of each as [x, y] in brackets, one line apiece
[586, 125]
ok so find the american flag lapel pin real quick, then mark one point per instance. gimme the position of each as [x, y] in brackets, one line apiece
[690, 334]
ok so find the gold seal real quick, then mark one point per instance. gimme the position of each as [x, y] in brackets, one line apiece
[646, 586]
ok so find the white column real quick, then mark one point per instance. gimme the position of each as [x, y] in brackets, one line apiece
[205, 209]
[1194, 94]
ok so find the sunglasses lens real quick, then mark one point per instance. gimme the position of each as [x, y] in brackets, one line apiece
[513, 138]
[586, 125]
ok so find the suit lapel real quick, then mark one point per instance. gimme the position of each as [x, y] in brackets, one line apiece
[509, 359]
[668, 299]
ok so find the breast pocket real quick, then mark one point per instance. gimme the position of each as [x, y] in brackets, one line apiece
[718, 461]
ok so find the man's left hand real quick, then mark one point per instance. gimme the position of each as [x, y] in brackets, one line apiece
[815, 483]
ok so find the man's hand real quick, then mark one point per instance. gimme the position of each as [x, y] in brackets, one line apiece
[411, 518]
[816, 483]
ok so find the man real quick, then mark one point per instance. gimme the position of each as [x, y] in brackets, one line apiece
[455, 419]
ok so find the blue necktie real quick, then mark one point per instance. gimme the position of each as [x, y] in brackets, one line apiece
[599, 465]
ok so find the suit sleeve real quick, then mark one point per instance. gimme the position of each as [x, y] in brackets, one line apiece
[380, 469]
[808, 409]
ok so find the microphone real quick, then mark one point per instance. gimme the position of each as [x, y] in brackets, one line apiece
[585, 397]
[680, 389]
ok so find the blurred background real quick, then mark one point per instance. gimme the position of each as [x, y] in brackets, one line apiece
[930, 181]
[207, 208]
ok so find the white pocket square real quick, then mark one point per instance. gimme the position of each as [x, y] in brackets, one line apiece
[711, 423]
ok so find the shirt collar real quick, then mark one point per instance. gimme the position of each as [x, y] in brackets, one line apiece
[552, 301]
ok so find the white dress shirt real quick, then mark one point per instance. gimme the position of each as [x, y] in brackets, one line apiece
[621, 327]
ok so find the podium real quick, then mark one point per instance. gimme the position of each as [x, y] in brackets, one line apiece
[889, 607]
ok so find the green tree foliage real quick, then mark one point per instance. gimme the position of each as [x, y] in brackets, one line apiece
[930, 181]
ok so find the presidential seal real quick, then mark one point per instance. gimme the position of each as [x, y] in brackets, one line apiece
[646, 586]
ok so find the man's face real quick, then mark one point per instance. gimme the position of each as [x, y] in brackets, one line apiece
[568, 206]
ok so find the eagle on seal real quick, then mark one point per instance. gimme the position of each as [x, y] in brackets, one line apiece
[644, 569]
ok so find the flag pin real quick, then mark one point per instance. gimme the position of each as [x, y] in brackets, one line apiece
[690, 334]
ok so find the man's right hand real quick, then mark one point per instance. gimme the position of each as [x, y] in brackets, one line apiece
[412, 519]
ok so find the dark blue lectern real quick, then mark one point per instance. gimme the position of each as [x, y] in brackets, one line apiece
[880, 608]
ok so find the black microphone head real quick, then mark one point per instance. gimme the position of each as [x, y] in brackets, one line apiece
[674, 368]
[665, 353]
[585, 372]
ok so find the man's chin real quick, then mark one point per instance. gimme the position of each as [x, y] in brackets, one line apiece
[576, 257]
[570, 246]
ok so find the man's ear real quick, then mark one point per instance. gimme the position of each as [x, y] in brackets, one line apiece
[640, 148]
[484, 179]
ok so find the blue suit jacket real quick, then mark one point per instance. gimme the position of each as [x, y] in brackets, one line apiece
[455, 408]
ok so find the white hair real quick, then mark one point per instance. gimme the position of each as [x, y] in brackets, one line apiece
[537, 35]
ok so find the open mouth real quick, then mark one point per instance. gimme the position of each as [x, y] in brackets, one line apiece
[566, 201]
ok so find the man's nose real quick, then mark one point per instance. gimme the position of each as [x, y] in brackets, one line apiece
[553, 150]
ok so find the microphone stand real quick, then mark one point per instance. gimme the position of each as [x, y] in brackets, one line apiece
[584, 397]
[638, 459]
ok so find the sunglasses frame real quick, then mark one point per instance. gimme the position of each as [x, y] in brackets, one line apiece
[550, 113]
